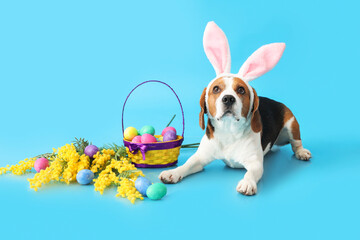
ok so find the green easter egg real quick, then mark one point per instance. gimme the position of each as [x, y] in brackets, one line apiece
[156, 191]
[147, 129]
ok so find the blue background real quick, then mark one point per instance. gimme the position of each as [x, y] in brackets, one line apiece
[67, 66]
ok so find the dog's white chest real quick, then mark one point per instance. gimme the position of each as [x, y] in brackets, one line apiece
[232, 163]
[235, 151]
[235, 154]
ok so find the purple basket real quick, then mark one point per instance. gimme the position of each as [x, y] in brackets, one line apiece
[154, 155]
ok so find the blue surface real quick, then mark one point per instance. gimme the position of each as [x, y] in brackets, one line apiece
[67, 66]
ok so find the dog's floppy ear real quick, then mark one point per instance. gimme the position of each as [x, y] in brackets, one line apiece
[256, 124]
[217, 49]
[203, 110]
[261, 61]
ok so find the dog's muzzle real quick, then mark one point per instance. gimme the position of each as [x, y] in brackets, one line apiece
[228, 100]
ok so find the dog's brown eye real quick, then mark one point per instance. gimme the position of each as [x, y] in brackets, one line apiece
[216, 89]
[241, 90]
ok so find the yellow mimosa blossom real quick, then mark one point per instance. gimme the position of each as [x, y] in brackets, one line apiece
[62, 165]
[4, 170]
[20, 168]
[127, 189]
[101, 159]
[71, 157]
[53, 172]
[65, 163]
[105, 179]
[126, 184]
[84, 163]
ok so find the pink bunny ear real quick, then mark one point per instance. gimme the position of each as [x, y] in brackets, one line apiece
[261, 61]
[217, 49]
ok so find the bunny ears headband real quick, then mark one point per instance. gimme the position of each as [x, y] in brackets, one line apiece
[217, 50]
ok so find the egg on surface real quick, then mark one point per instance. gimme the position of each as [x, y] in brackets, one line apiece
[85, 176]
[130, 133]
[142, 184]
[147, 129]
[156, 191]
[41, 164]
[91, 150]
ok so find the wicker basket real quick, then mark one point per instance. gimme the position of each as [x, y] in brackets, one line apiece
[154, 155]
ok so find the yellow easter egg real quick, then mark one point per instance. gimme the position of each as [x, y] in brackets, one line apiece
[130, 133]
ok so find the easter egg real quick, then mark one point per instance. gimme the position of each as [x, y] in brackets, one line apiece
[147, 129]
[160, 139]
[91, 150]
[142, 184]
[148, 138]
[169, 136]
[156, 191]
[41, 164]
[167, 129]
[85, 176]
[130, 133]
[136, 139]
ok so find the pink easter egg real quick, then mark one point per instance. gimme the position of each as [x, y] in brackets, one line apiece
[167, 129]
[41, 164]
[148, 138]
[136, 139]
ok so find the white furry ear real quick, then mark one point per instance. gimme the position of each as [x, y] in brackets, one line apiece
[217, 49]
[261, 61]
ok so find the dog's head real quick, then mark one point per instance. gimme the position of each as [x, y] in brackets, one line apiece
[230, 95]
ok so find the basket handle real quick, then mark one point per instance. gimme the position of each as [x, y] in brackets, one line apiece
[156, 81]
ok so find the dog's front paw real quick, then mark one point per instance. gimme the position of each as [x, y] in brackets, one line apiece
[303, 154]
[247, 187]
[170, 176]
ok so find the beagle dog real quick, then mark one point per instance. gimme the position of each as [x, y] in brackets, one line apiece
[241, 127]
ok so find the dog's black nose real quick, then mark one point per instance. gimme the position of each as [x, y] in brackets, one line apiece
[228, 100]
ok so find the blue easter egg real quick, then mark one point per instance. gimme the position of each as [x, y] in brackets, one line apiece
[142, 184]
[85, 176]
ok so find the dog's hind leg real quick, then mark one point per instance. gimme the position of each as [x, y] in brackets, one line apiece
[291, 134]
